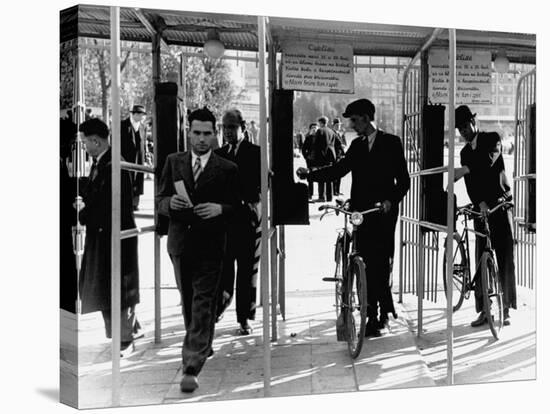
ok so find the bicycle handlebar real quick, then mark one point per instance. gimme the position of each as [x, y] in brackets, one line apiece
[502, 202]
[378, 207]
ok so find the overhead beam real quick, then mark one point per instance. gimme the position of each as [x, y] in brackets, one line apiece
[149, 26]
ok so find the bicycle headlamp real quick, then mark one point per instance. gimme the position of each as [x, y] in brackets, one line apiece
[356, 218]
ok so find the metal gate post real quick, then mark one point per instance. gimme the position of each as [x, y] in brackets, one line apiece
[450, 203]
[115, 206]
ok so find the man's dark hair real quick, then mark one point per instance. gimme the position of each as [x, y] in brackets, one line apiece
[203, 115]
[94, 126]
[323, 120]
[312, 125]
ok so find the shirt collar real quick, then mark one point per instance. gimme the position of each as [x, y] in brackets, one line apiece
[135, 124]
[371, 138]
[204, 158]
[101, 155]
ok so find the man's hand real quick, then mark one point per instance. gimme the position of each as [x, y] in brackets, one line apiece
[207, 210]
[484, 209]
[386, 206]
[79, 204]
[302, 173]
[178, 202]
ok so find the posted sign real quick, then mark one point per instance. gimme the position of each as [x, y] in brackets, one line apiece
[473, 77]
[318, 67]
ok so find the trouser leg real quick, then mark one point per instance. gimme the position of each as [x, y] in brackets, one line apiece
[246, 297]
[205, 279]
[127, 322]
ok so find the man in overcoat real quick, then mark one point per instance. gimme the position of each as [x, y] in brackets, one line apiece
[95, 275]
[133, 135]
[309, 155]
[198, 192]
[241, 237]
[325, 154]
[379, 175]
[486, 183]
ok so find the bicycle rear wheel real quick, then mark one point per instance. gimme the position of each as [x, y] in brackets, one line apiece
[355, 306]
[460, 274]
[492, 294]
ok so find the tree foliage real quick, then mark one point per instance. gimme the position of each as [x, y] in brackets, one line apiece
[208, 81]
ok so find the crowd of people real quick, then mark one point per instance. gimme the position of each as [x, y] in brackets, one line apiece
[211, 198]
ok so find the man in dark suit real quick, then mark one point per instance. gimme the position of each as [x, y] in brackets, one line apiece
[241, 237]
[339, 147]
[198, 193]
[379, 174]
[486, 182]
[95, 214]
[309, 155]
[132, 146]
[325, 153]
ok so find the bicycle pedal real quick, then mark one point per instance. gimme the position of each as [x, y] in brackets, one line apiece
[330, 279]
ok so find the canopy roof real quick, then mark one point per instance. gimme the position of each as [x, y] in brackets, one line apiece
[239, 32]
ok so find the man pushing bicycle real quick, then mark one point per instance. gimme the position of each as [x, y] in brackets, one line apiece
[379, 174]
[487, 183]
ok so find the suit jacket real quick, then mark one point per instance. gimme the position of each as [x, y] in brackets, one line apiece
[218, 183]
[132, 149]
[325, 145]
[377, 175]
[307, 149]
[487, 180]
[95, 276]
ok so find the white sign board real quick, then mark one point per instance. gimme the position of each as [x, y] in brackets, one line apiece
[318, 67]
[473, 77]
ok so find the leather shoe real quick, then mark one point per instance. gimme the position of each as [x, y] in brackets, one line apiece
[383, 323]
[506, 321]
[245, 329]
[189, 383]
[481, 320]
[372, 329]
[126, 349]
[211, 353]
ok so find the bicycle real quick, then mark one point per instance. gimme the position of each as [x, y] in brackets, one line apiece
[350, 278]
[487, 266]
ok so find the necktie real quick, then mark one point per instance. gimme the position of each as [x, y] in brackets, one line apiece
[197, 169]
[232, 151]
[93, 170]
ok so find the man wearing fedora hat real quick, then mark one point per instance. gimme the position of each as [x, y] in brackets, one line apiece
[132, 146]
[379, 175]
[482, 167]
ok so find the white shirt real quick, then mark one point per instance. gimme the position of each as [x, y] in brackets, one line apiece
[371, 139]
[135, 124]
[473, 143]
[204, 159]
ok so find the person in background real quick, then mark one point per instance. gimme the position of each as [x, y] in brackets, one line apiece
[95, 214]
[132, 146]
[325, 154]
[241, 236]
[340, 148]
[309, 155]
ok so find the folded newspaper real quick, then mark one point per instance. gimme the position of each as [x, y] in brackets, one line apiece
[182, 191]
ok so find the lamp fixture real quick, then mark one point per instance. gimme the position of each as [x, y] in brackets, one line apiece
[213, 47]
[502, 64]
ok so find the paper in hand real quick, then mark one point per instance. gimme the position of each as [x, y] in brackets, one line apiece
[182, 191]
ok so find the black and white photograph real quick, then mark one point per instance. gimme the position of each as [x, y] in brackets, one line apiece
[257, 203]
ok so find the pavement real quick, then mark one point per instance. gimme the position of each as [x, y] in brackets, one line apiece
[306, 358]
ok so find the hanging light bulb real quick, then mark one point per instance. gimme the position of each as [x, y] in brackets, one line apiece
[213, 47]
[501, 62]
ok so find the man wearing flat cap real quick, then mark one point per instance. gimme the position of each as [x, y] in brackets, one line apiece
[482, 167]
[379, 175]
[132, 146]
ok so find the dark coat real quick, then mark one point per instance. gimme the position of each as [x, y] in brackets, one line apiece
[95, 275]
[132, 149]
[487, 180]
[377, 175]
[67, 259]
[325, 145]
[248, 162]
[218, 183]
[307, 150]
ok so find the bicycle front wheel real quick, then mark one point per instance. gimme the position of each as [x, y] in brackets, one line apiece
[492, 294]
[356, 306]
[460, 270]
